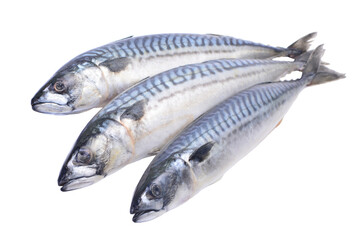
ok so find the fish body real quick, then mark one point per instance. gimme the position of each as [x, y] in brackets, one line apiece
[93, 78]
[138, 122]
[208, 147]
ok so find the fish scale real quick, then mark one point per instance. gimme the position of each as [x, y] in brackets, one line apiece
[209, 146]
[160, 43]
[144, 117]
[171, 78]
[165, 80]
[95, 77]
[249, 112]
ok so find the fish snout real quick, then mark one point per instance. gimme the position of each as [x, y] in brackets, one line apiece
[34, 101]
[64, 176]
[46, 101]
[135, 206]
[37, 99]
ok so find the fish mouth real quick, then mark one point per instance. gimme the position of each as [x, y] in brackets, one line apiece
[147, 215]
[77, 183]
[50, 107]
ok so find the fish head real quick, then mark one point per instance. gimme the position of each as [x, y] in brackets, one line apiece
[103, 147]
[74, 88]
[164, 186]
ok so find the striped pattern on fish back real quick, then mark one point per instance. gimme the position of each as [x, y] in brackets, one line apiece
[160, 43]
[233, 114]
[149, 88]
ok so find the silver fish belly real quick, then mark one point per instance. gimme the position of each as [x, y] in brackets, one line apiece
[138, 122]
[212, 144]
[93, 78]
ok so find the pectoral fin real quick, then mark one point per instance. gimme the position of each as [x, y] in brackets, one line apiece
[202, 152]
[154, 152]
[117, 64]
[134, 112]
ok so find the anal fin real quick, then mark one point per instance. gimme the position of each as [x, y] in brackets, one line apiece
[153, 152]
[278, 123]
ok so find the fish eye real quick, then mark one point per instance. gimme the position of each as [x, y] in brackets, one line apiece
[59, 87]
[155, 190]
[83, 156]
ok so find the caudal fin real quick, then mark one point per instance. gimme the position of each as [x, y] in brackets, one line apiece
[324, 75]
[300, 46]
[313, 63]
[316, 73]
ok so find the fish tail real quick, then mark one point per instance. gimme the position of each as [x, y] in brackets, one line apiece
[315, 72]
[300, 46]
[324, 75]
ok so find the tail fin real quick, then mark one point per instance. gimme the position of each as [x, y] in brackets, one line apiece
[301, 45]
[304, 57]
[324, 75]
[313, 63]
[316, 73]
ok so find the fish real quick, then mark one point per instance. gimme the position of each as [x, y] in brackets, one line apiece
[202, 153]
[139, 121]
[93, 78]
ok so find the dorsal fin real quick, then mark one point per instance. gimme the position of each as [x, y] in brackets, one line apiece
[116, 64]
[127, 37]
[202, 152]
[145, 78]
[215, 35]
[135, 111]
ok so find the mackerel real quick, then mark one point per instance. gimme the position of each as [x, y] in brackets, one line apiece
[138, 122]
[93, 78]
[212, 144]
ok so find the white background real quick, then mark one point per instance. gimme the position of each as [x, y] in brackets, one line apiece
[302, 182]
